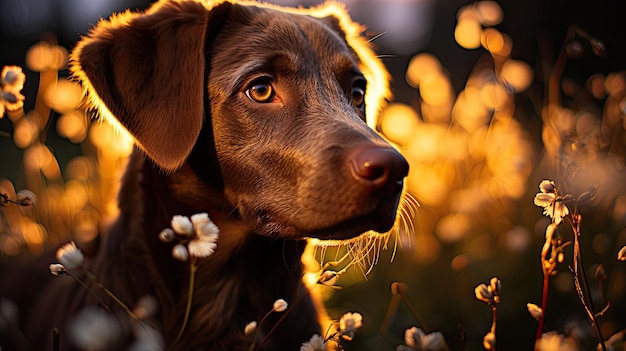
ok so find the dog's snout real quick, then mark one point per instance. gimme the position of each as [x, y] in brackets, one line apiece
[383, 168]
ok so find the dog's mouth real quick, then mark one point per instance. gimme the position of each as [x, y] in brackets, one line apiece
[379, 218]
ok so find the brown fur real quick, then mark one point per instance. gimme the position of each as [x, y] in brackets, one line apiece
[268, 174]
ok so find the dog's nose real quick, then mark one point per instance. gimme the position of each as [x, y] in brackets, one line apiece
[384, 168]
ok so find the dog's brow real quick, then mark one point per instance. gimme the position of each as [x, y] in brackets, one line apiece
[264, 64]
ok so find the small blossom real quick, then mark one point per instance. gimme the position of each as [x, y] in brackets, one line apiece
[535, 311]
[180, 253]
[416, 339]
[553, 341]
[413, 337]
[198, 232]
[70, 256]
[146, 307]
[489, 341]
[11, 84]
[482, 293]
[57, 269]
[316, 343]
[621, 255]
[349, 323]
[182, 225]
[280, 305]
[167, 235]
[552, 204]
[434, 342]
[249, 328]
[95, 329]
[489, 293]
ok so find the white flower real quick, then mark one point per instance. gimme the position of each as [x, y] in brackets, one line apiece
[249, 328]
[70, 256]
[535, 311]
[180, 253]
[95, 329]
[552, 204]
[489, 341]
[621, 255]
[280, 305]
[198, 232]
[553, 341]
[57, 269]
[489, 293]
[316, 343]
[416, 339]
[182, 225]
[349, 323]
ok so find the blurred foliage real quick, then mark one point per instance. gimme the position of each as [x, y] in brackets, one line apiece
[476, 156]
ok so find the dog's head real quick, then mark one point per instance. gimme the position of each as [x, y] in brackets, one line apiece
[274, 103]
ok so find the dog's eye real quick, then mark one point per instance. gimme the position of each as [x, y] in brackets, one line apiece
[358, 93]
[358, 96]
[261, 91]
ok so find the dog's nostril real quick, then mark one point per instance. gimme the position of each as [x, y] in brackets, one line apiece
[378, 166]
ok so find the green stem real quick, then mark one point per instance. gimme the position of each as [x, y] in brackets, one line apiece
[192, 279]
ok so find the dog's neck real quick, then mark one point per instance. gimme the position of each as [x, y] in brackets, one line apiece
[239, 282]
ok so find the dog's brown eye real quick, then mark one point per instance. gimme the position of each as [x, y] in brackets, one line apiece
[358, 96]
[261, 91]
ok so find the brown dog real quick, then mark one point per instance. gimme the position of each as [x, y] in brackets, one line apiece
[255, 115]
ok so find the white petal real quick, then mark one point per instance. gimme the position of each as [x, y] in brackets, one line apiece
[182, 225]
[413, 336]
[208, 230]
[544, 200]
[200, 219]
[201, 248]
[70, 256]
[547, 186]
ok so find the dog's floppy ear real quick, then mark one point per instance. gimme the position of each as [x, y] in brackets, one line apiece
[147, 71]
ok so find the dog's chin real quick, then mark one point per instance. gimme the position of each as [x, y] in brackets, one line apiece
[380, 220]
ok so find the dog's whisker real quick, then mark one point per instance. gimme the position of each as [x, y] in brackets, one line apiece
[376, 37]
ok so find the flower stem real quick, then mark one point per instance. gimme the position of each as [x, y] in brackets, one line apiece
[192, 279]
[544, 303]
[583, 290]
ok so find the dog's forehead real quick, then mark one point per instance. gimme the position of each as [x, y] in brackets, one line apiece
[254, 33]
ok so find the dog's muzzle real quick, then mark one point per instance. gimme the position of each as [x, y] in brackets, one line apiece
[381, 169]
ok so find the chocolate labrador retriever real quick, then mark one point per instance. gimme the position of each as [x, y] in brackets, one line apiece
[256, 115]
